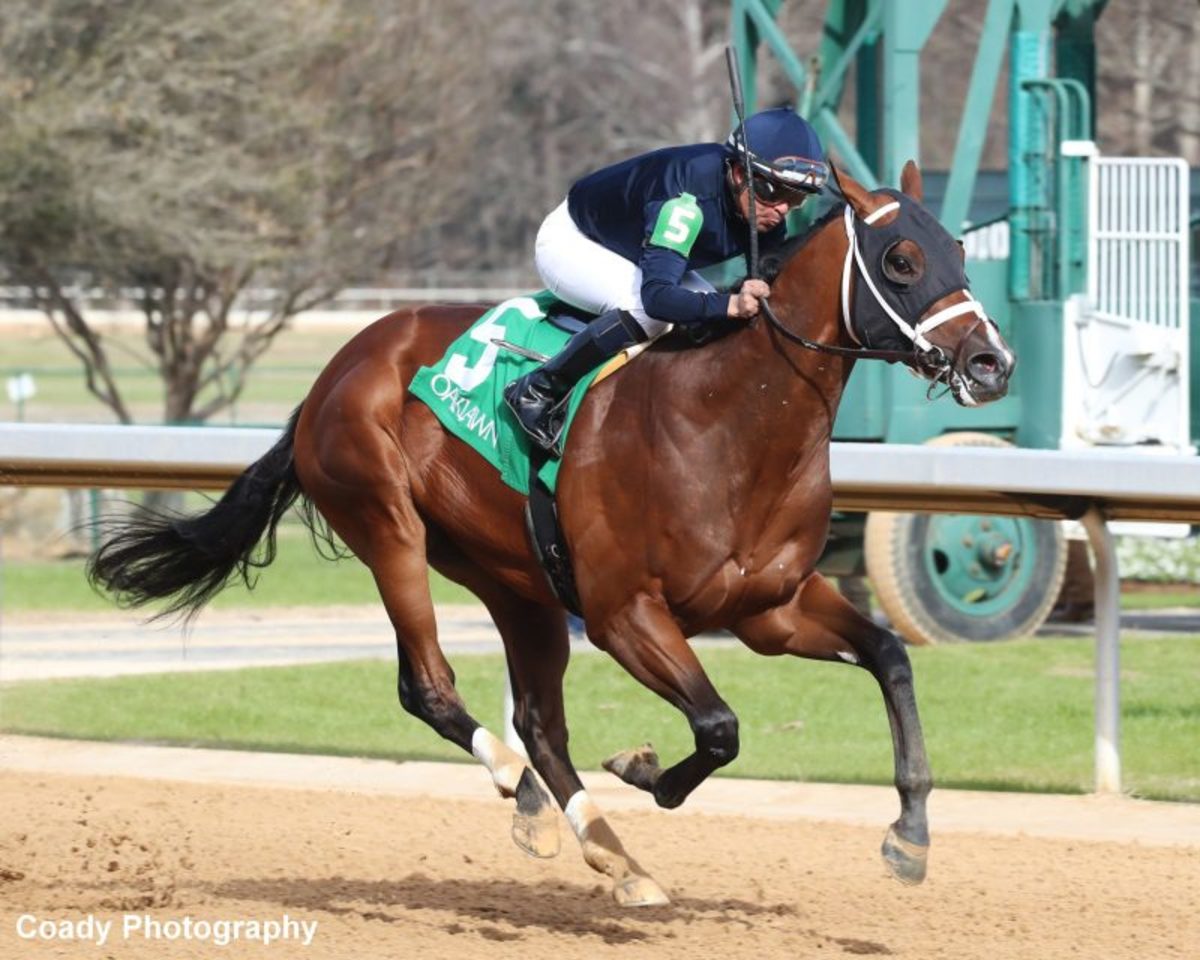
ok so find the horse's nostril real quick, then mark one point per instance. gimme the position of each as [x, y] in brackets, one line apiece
[984, 366]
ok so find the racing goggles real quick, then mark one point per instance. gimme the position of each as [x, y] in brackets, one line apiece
[769, 191]
[788, 178]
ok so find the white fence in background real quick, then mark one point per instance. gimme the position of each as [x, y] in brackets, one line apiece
[1093, 486]
[1138, 240]
[423, 288]
[1127, 342]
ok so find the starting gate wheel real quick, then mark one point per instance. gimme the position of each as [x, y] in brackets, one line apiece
[947, 578]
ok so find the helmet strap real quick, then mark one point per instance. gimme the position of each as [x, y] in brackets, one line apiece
[735, 189]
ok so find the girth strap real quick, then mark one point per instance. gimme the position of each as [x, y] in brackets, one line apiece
[546, 537]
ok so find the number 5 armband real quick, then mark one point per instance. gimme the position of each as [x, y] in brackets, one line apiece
[678, 224]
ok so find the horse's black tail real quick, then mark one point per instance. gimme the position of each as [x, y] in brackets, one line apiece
[187, 560]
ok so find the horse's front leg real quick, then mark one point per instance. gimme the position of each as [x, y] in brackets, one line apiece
[537, 647]
[646, 641]
[819, 623]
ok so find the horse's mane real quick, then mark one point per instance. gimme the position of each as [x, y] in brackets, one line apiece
[772, 264]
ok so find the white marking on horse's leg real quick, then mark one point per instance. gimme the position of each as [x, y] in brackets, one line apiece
[581, 812]
[848, 656]
[632, 886]
[535, 821]
[503, 763]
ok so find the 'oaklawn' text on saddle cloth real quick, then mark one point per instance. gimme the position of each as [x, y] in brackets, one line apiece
[465, 389]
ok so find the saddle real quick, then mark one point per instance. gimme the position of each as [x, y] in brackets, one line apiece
[464, 389]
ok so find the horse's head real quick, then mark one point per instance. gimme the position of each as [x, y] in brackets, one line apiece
[904, 288]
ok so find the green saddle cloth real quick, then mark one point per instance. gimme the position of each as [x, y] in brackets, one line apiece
[465, 389]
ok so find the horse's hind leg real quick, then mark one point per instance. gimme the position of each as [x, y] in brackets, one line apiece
[819, 623]
[538, 648]
[426, 687]
[381, 525]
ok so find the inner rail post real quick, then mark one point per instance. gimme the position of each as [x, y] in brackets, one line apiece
[1108, 652]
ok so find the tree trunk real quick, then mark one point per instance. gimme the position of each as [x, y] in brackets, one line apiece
[1189, 101]
[1143, 81]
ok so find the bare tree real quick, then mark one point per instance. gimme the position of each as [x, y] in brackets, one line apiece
[585, 85]
[184, 154]
[1149, 59]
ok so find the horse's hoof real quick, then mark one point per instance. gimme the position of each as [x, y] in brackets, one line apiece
[537, 835]
[905, 860]
[638, 767]
[639, 891]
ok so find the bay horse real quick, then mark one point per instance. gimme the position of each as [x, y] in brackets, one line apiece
[695, 495]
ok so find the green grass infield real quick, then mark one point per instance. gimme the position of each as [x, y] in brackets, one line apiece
[1012, 716]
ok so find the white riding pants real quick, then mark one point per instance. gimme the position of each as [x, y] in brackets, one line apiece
[586, 275]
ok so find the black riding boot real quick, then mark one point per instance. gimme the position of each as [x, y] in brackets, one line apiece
[536, 399]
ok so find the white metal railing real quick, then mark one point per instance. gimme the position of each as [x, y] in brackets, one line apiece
[866, 476]
[1092, 486]
[1126, 353]
[1138, 240]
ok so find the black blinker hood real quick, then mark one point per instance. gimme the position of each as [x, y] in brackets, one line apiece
[944, 273]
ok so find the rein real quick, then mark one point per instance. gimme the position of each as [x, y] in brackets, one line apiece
[933, 361]
[856, 353]
[924, 355]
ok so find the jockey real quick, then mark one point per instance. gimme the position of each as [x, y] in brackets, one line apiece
[627, 241]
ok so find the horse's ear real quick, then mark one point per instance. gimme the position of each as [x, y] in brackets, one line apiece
[858, 196]
[910, 181]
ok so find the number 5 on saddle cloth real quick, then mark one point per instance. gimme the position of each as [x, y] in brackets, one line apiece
[465, 391]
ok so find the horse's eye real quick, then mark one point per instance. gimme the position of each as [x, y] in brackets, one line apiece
[900, 268]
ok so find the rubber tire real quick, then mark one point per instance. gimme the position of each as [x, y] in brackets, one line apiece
[910, 602]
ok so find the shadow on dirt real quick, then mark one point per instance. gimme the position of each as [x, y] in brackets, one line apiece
[570, 909]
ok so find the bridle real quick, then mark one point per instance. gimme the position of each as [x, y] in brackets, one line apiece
[929, 358]
[924, 356]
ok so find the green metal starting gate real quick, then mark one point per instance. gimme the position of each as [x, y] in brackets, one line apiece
[977, 577]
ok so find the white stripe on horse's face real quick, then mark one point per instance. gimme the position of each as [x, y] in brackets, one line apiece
[993, 337]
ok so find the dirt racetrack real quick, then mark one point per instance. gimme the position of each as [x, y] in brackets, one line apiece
[416, 876]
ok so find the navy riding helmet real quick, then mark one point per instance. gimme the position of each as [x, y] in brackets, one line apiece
[784, 149]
